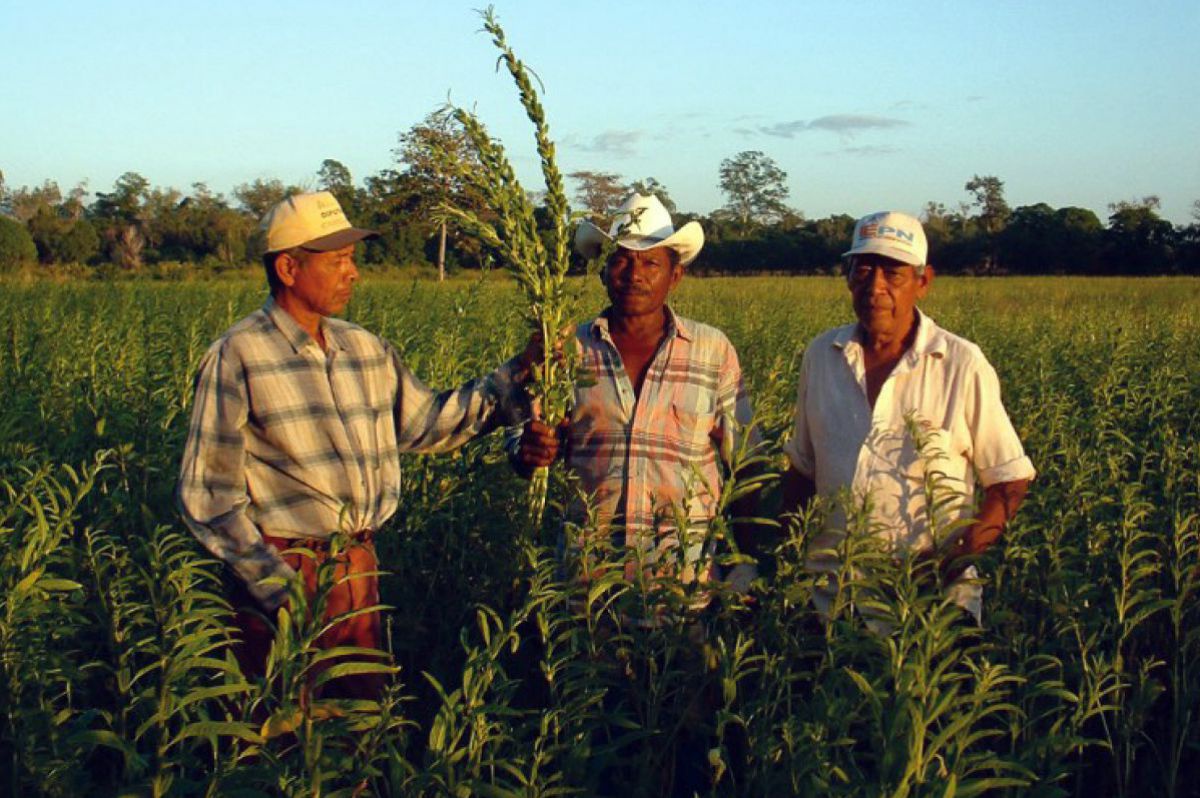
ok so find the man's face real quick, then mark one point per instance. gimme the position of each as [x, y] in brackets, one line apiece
[639, 281]
[885, 291]
[322, 281]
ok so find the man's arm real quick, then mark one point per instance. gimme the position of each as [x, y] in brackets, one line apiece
[798, 491]
[1000, 503]
[799, 486]
[211, 493]
[431, 421]
[1001, 464]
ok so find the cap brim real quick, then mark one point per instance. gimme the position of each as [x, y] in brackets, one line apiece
[342, 238]
[878, 247]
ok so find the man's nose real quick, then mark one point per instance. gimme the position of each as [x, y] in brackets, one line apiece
[639, 272]
[878, 280]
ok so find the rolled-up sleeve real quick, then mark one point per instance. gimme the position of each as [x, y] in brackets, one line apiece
[799, 448]
[996, 452]
[212, 494]
[430, 421]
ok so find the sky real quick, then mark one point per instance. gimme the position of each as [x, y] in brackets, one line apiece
[864, 105]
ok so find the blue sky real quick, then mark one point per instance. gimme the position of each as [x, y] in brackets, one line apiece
[865, 105]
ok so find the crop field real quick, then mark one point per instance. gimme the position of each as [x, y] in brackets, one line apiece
[513, 679]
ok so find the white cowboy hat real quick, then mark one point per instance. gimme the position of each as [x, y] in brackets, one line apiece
[642, 223]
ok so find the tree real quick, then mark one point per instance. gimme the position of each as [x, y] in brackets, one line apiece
[128, 247]
[118, 215]
[334, 177]
[755, 187]
[601, 193]
[259, 196]
[80, 243]
[1139, 240]
[202, 227]
[651, 186]
[988, 198]
[437, 158]
[24, 203]
[988, 192]
[16, 246]
[124, 202]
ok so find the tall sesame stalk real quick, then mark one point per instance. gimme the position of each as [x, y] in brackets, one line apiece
[511, 231]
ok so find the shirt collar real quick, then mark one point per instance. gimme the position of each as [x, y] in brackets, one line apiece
[296, 335]
[675, 325]
[928, 341]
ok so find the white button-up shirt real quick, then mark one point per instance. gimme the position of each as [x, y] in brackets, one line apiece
[939, 410]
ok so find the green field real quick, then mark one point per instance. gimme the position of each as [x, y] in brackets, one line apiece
[115, 677]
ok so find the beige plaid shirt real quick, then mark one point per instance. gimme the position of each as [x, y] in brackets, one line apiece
[295, 442]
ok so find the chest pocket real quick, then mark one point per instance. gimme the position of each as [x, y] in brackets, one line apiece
[691, 426]
[926, 452]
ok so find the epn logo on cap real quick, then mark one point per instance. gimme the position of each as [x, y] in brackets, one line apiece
[313, 221]
[891, 234]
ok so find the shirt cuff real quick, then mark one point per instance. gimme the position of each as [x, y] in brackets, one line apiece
[1013, 471]
[264, 563]
[512, 399]
[799, 462]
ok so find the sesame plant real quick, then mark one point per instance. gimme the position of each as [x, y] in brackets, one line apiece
[517, 669]
[514, 236]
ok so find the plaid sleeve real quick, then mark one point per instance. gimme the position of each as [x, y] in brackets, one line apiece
[429, 421]
[735, 412]
[211, 493]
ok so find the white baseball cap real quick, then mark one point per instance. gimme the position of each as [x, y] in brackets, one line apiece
[313, 221]
[891, 234]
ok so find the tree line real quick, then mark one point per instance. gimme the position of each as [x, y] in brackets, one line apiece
[136, 227]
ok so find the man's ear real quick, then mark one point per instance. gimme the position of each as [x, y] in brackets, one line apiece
[926, 281]
[286, 266]
[676, 275]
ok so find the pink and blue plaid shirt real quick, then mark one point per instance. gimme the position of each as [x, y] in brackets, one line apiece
[646, 460]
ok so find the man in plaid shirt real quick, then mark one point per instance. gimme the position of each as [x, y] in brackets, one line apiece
[298, 423]
[660, 401]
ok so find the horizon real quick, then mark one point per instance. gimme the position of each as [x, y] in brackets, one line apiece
[867, 107]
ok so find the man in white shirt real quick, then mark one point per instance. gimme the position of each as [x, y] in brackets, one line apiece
[885, 401]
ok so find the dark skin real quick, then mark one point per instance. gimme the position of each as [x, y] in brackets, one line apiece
[313, 285]
[885, 294]
[638, 283]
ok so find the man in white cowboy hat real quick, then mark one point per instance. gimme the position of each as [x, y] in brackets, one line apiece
[884, 399]
[297, 426]
[660, 401]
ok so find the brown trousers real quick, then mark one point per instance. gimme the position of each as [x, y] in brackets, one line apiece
[362, 630]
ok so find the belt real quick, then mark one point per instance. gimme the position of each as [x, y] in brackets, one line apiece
[360, 538]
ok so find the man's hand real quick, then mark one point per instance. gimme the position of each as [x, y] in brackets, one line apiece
[1000, 503]
[949, 560]
[740, 576]
[538, 447]
[534, 352]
